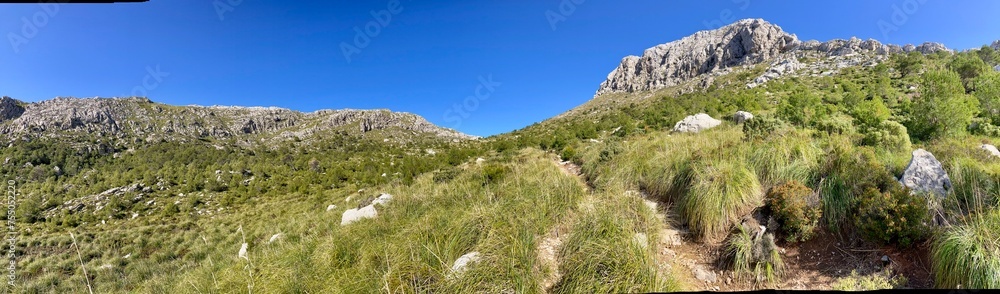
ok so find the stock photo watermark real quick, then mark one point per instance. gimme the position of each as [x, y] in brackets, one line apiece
[225, 6]
[564, 11]
[363, 37]
[32, 25]
[11, 232]
[726, 16]
[154, 76]
[901, 14]
[460, 111]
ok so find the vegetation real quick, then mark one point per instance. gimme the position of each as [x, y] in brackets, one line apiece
[796, 208]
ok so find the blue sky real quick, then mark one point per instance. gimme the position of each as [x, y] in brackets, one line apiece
[424, 57]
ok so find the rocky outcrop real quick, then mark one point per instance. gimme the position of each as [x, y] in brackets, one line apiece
[996, 45]
[366, 211]
[463, 262]
[925, 174]
[745, 42]
[696, 123]
[133, 119]
[748, 41]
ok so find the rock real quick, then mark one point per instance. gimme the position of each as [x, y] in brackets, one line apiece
[778, 69]
[356, 214]
[10, 109]
[641, 239]
[672, 237]
[382, 199]
[275, 237]
[243, 252]
[480, 160]
[696, 123]
[704, 275]
[747, 41]
[463, 262]
[992, 150]
[996, 45]
[742, 116]
[925, 174]
[331, 207]
[997, 68]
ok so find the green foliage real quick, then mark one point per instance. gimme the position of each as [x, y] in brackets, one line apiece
[803, 108]
[871, 113]
[887, 135]
[762, 128]
[754, 258]
[986, 88]
[968, 256]
[721, 192]
[969, 67]
[943, 108]
[493, 173]
[875, 281]
[796, 208]
[908, 64]
[893, 217]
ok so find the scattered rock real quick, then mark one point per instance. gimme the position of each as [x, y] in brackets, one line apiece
[926, 175]
[778, 69]
[243, 252]
[991, 149]
[356, 214]
[463, 262]
[331, 207]
[704, 275]
[480, 160]
[696, 123]
[742, 116]
[672, 237]
[275, 237]
[382, 199]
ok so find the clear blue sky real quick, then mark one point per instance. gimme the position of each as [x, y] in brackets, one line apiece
[428, 58]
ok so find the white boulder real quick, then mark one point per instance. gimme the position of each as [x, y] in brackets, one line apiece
[925, 174]
[991, 149]
[356, 214]
[696, 123]
[331, 207]
[463, 262]
[382, 199]
[275, 237]
[742, 116]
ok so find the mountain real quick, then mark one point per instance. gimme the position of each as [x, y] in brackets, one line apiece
[745, 42]
[131, 120]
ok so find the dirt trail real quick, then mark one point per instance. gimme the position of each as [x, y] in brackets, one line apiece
[548, 248]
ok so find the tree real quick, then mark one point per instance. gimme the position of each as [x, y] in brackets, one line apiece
[986, 88]
[909, 63]
[969, 67]
[943, 108]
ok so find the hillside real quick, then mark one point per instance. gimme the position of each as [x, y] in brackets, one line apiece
[845, 164]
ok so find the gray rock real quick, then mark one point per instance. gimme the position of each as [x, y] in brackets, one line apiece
[997, 68]
[992, 150]
[356, 214]
[742, 116]
[463, 262]
[747, 41]
[996, 45]
[925, 174]
[696, 123]
[777, 69]
[704, 275]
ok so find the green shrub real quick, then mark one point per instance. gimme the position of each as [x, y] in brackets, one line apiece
[976, 186]
[493, 173]
[875, 281]
[796, 208]
[893, 217]
[839, 124]
[888, 135]
[761, 128]
[753, 258]
[984, 127]
[943, 108]
[968, 256]
[568, 153]
[446, 174]
[871, 112]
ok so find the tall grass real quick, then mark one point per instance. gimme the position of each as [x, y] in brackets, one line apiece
[721, 192]
[968, 256]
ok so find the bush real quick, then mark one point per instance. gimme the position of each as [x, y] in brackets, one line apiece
[893, 217]
[796, 208]
[943, 108]
[493, 173]
[888, 135]
[871, 112]
[836, 125]
[445, 175]
[720, 193]
[752, 257]
[983, 127]
[760, 128]
[968, 256]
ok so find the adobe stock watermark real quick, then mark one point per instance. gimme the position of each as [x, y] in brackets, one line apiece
[11, 232]
[564, 11]
[30, 26]
[460, 111]
[154, 76]
[900, 15]
[726, 16]
[225, 6]
[363, 37]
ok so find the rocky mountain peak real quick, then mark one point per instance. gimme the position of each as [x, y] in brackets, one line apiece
[745, 42]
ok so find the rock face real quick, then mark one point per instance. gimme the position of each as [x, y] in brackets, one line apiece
[139, 119]
[996, 45]
[742, 116]
[696, 123]
[992, 150]
[925, 174]
[745, 42]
